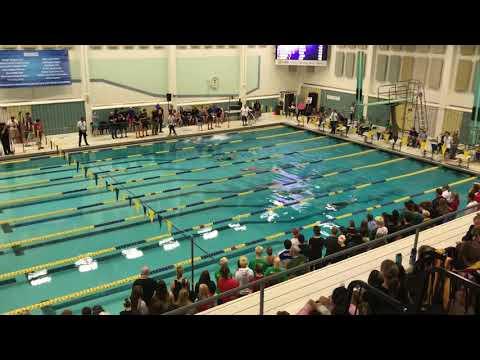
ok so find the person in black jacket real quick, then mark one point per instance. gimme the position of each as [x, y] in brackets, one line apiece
[148, 284]
[315, 246]
[205, 279]
[435, 203]
[474, 229]
[331, 243]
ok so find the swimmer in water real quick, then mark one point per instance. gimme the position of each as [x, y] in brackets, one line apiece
[339, 205]
[225, 157]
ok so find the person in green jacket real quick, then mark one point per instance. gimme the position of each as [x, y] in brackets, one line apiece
[259, 259]
[273, 270]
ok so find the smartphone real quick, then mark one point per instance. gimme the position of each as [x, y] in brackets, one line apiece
[398, 259]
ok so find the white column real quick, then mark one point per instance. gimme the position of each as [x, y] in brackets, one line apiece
[369, 65]
[85, 81]
[445, 86]
[172, 73]
[243, 73]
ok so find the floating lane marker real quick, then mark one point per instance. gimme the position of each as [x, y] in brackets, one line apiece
[127, 280]
[46, 237]
[279, 135]
[208, 227]
[186, 187]
[210, 146]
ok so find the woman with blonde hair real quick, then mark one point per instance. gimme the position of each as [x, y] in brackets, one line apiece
[244, 275]
[381, 228]
[179, 283]
[184, 300]
[204, 293]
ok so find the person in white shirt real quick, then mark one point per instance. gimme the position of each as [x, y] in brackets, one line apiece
[244, 275]
[244, 111]
[333, 121]
[292, 108]
[171, 124]
[448, 144]
[82, 131]
[472, 204]
[447, 193]
[381, 228]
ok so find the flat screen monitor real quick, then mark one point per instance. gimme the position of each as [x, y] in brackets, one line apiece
[306, 55]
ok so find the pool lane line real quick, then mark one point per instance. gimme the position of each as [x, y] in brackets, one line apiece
[193, 147]
[161, 141]
[117, 283]
[5, 173]
[217, 222]
[42, 183]
[35, 158]
[151, 195]
[149, 167]
[158, 164]
[201, 169]
[29, 172]
[249, 149]
[8, 203]
[240, 216]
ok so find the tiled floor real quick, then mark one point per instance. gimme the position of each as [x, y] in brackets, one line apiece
[70, 141]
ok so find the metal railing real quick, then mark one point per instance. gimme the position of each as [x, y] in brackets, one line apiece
[456, 282]
[309, 266]
[395, 306]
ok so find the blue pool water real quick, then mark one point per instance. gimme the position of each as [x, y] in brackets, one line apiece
[53, 215]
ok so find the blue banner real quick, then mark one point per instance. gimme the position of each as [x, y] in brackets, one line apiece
[21, 68]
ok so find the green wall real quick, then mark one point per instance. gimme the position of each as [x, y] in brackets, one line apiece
[194, 73]
[341, 105]
[59, 118]
[147, 75]
[378, 115]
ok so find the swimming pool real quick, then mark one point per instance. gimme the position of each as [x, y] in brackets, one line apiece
[230, 192]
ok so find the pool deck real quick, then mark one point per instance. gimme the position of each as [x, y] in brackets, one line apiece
[67, 142]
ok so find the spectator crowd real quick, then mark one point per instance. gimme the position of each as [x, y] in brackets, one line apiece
[149, 296]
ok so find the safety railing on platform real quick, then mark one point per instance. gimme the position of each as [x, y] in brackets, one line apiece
[309, 266]
[394, 306]
[440, 291]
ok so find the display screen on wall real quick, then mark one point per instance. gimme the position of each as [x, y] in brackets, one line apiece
[307, 55]
[20, 68]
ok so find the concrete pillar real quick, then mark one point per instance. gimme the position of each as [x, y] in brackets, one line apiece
[172, 73]
[85, 81]
[243, 73]
[369, 65]
[445, 86]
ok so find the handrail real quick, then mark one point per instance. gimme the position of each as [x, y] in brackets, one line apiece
[453, 276]
[394, 303]
[265, 280]
[468, 284]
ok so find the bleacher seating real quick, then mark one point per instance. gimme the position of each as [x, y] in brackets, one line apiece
[291, 295]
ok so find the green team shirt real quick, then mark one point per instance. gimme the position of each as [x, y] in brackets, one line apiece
[271, 270]
[260, 261]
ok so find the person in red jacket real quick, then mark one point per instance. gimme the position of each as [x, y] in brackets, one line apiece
[226, 282]
[455, 203]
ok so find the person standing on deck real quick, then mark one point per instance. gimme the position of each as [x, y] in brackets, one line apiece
[171, 124]
[244, 111]
[82, 131]
[333, 121]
